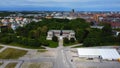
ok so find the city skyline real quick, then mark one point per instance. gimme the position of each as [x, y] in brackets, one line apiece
[61, 5]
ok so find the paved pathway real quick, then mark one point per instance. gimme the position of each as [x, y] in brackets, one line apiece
[19, 64]
[7, 46]
[2, 49]
[61, 59]
[4, 64]
[74, 45]
[60, 43]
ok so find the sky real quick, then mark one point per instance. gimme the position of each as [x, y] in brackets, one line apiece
[60, 5]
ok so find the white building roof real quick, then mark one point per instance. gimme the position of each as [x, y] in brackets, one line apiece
[104, 53]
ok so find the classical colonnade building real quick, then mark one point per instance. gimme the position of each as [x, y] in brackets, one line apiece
[64, 33]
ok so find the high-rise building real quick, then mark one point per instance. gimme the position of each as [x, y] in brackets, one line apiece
[73, 10]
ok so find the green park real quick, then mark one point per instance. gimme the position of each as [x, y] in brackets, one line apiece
[33, 35]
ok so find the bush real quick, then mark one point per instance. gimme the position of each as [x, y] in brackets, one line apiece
[72, 40]
[55, 39]
[66, 41]
[45, 43]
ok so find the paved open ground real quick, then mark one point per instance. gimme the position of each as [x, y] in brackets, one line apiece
[60, 57]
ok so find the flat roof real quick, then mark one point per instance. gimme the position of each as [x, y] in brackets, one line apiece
[104, 53]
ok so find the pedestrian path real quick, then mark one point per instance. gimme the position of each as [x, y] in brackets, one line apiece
[3, 49]
[7, 46]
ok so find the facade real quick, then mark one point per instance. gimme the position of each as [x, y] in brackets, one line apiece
[64, 33]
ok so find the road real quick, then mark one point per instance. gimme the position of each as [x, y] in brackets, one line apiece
[60, 62]
[61, 59]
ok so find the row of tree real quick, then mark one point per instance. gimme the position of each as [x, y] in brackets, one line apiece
[67, 41]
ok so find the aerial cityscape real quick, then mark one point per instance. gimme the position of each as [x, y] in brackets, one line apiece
[60, 34]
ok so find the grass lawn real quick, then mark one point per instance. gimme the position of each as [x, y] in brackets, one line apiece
[1, 64]
[11, 65]
[69, 44]
[11, 53]
[1, 47]
[52, 44]
[24, 46]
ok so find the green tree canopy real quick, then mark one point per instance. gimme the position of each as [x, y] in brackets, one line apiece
[66, 40]
[89, 42]
[72, 40]
[55, 39]
[107, 30]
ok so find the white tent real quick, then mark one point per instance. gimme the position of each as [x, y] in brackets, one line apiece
[104, 53]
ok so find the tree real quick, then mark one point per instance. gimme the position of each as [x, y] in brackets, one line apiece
[65, 40]
[55, 39]
[107, 30]
[80, 33]
[106, 34]
[44, 29]
[67, 27]
[39, 31]
[4, 29]
[86, 32]
[6, 40]
[72, 40]
[109, 39]
[34, 34]
[22, 31]
[34, 31]
[91, 42]
[92, 23]
[94, 33]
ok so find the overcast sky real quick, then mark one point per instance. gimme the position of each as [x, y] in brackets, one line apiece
[82, 5]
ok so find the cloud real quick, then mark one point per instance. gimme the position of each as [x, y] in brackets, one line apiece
[60, 0]
[81, 4]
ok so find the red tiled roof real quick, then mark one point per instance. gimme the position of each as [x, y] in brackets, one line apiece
[114, 24]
